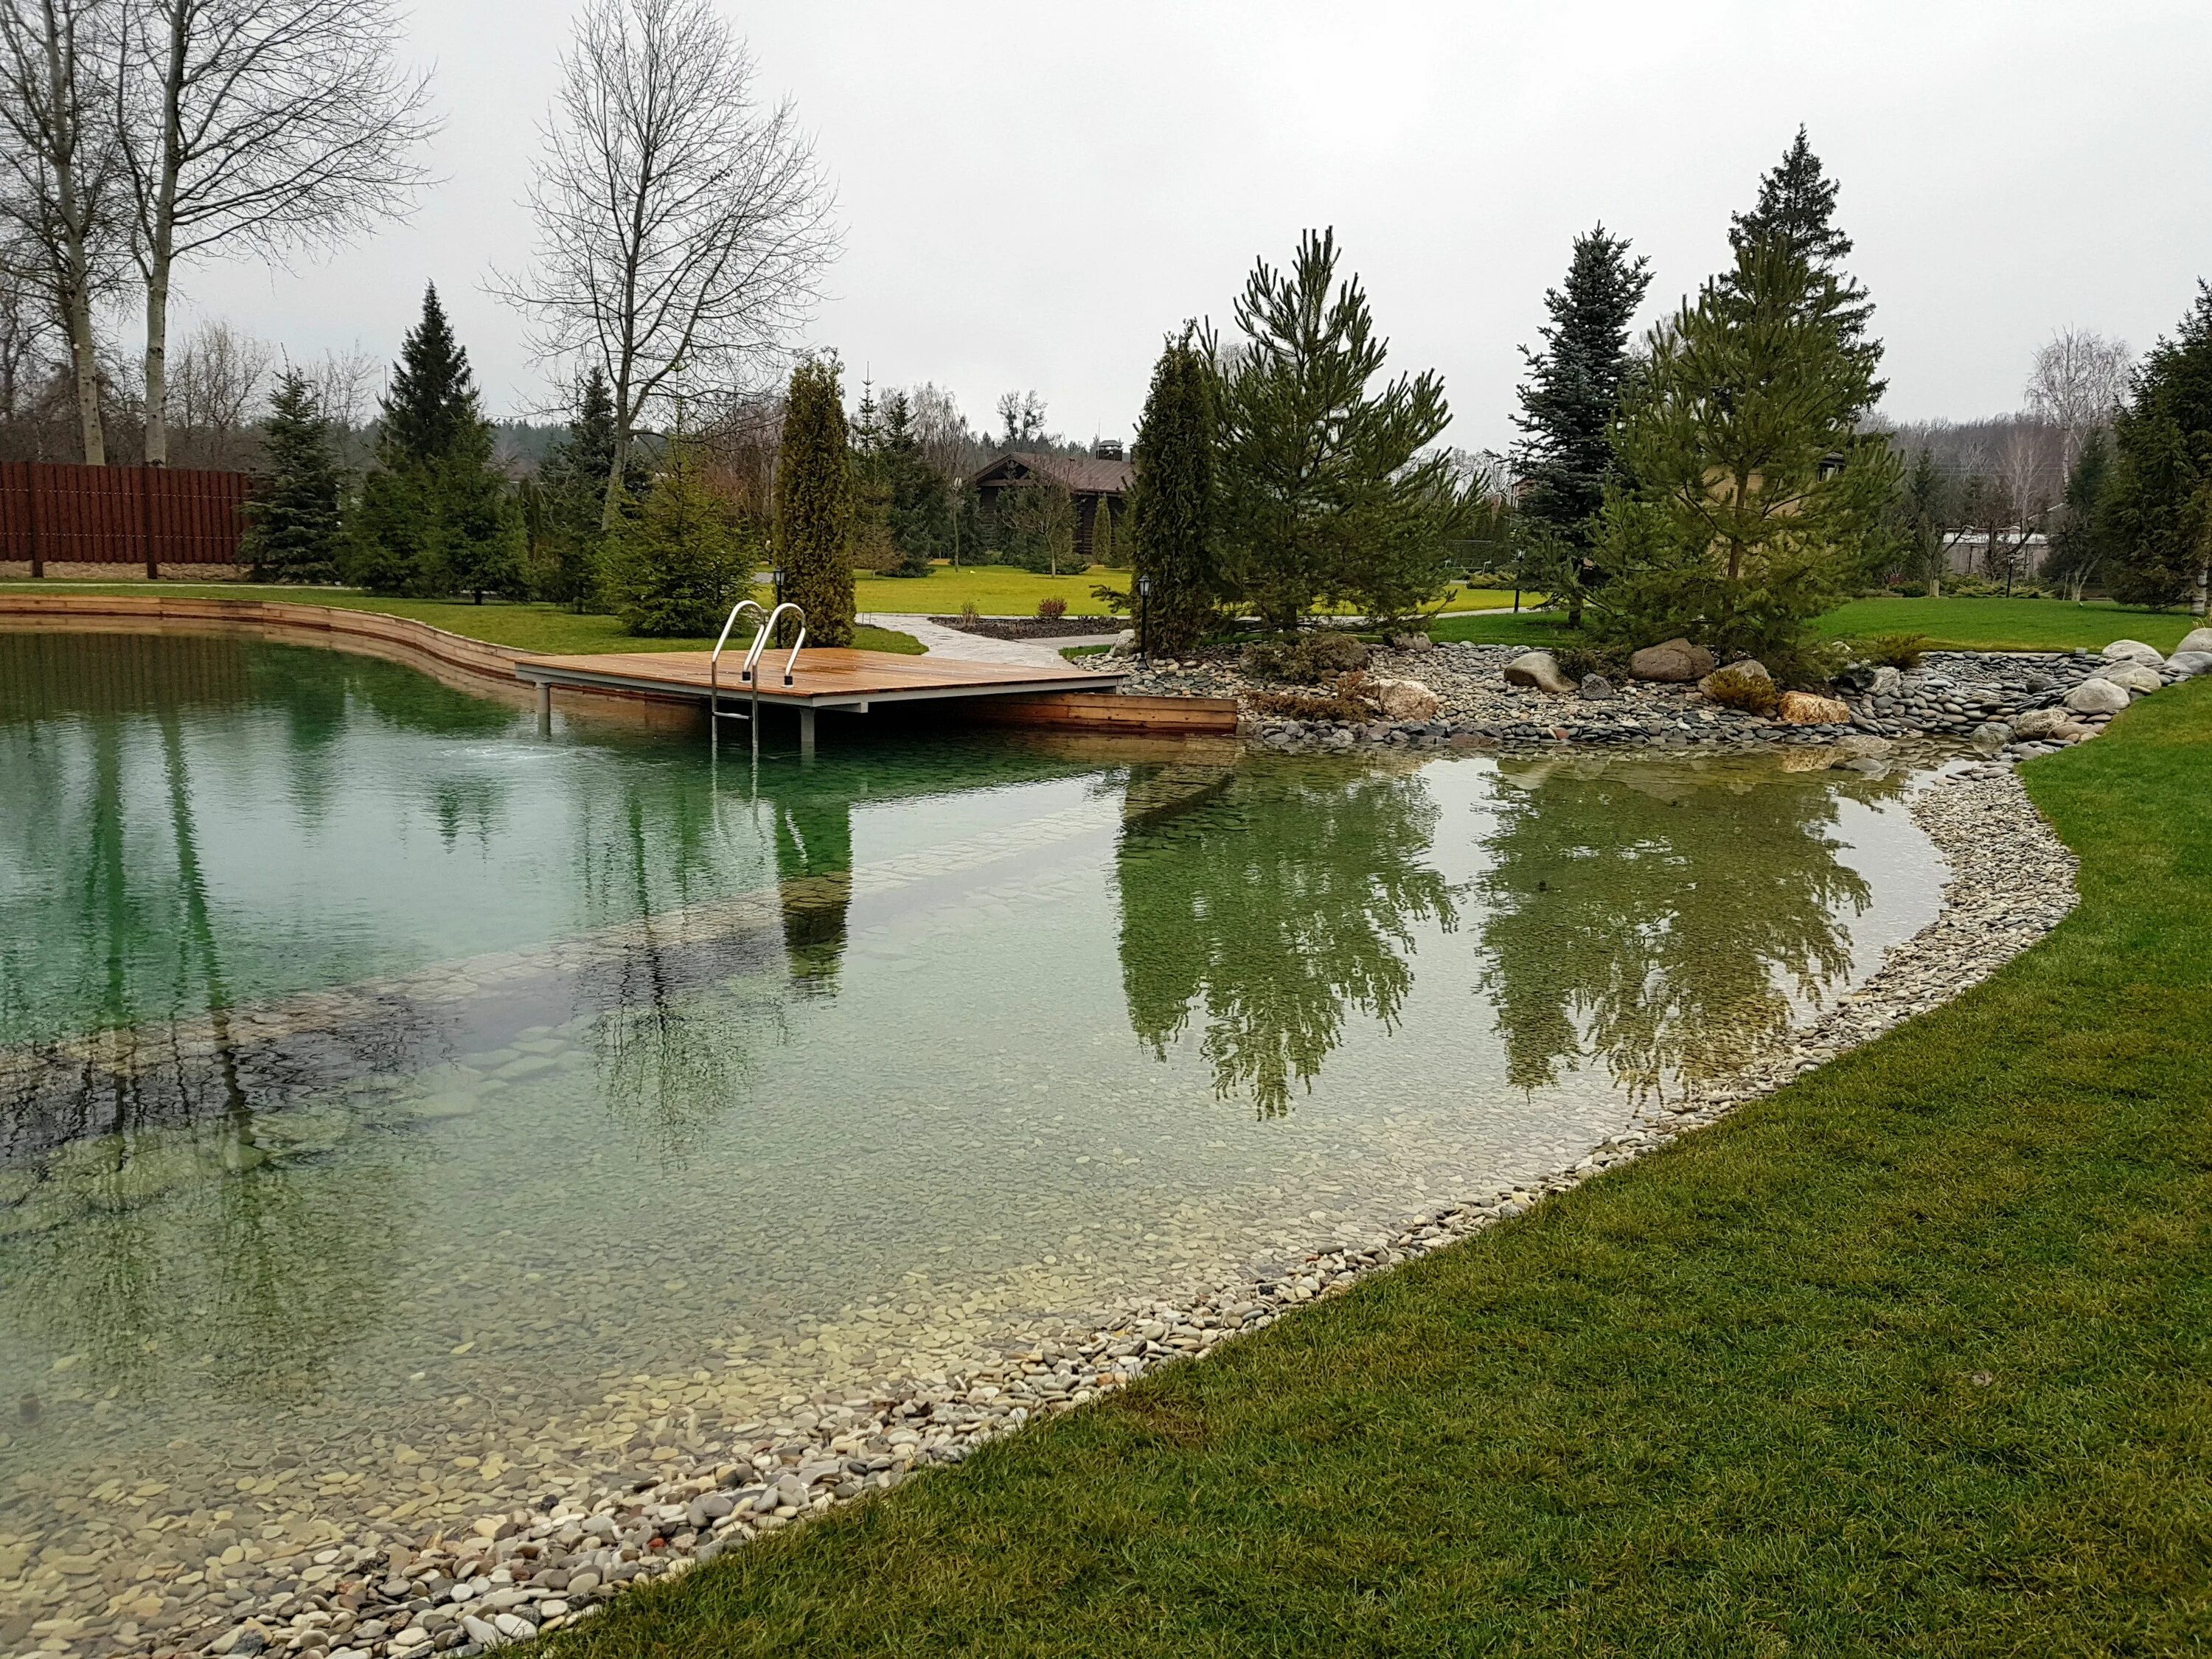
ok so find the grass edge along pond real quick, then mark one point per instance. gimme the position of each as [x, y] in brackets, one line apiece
[1913, 1357]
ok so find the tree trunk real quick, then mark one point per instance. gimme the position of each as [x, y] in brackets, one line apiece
[78, 265]
[161, 239]
[87, 365]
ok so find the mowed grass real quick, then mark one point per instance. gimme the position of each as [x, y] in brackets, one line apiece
[545, 629]
[1999, 624]
[997, 590]
[1949, 624]
[1913, 1358]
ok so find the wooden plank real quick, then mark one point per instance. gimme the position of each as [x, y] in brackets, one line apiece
[823, 675]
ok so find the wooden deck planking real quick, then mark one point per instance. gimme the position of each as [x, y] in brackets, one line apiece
[825, 676]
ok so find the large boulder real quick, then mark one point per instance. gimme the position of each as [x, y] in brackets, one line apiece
[1990, 736]
[2190, 663]
[1405, 700]
[1541, 670]
[2097, 696]
[1677, 660]
[1750, 668]
[1803, 708]
[2137, 677]
[2198, 639]
[1887, 681]
[2133, 651]
[2040, 723]
[1864, 746]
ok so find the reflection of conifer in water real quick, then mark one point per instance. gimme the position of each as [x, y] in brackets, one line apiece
[1268, 909]
[1660, 917]
[814, 859]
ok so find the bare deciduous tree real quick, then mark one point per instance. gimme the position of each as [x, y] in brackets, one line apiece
[681, 226]
[28, 339]
[271, 126]
[2079, 379]
[58, 174]
[222, 377]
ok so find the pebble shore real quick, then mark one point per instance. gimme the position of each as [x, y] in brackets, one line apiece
[541, 1567]
[1974, 697]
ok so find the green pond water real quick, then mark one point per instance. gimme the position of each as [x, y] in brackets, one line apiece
[405, 1113]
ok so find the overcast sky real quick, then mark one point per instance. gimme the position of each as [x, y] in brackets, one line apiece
[1033, 195]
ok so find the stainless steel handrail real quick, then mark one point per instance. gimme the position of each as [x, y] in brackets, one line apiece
[761, 641]
[715, 662]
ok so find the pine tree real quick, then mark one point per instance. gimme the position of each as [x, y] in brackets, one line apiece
[2077, 545]
[1755, 497]
[566, 553]
[1173, 504]
[292, 520]
[1570, 404]
[1797, 207]
[1324, 489]
[2156, 520]
[814, 503]
[678, 562]
[437, 516]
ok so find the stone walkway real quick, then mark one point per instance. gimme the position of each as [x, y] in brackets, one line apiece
[977, 648]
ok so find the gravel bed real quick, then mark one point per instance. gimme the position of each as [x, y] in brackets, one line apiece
[539, 1567]
[1974, 697]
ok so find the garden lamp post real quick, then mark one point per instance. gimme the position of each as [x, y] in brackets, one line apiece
[1143, 618]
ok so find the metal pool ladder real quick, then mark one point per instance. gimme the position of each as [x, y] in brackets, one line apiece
[749, 673]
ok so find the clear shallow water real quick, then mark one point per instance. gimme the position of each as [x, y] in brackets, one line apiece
[402, 1115]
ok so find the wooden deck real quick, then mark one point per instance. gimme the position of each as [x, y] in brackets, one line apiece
[824, 678]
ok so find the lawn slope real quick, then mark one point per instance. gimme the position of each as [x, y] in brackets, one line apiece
[1913, 1358]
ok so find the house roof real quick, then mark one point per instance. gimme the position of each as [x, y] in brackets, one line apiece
[1080, 475]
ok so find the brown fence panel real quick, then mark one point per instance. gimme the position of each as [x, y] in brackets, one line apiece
[53, 513]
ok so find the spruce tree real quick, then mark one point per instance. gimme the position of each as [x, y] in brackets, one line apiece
[566, 563]
[1797, 207]
[1102, 531]
[2077, 544]
[1325, 490]
[1570, 404]
[1755, 498]
[919, 516]
[1173, 504]
[676, 561]
[436, 516]
[292, 519]
[814, 503]
[2156, 520]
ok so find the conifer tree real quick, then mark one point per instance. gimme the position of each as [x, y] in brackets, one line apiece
[1173, 504]
[565, 566]
[1324, 488]
[1797, 207]
[677, 561]
[292, 520]
[1102, 531]
[1570, 404]
[919, 515]
[2155, 522]
[436, 516]
[1755, 498]
[814, 503]
[2077, 543]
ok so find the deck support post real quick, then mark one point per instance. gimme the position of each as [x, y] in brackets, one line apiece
[544, 709]
[805, 733]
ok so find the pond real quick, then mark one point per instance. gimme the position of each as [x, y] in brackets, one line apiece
[405, 1115]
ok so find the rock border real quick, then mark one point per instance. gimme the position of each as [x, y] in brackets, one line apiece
[517, 1574]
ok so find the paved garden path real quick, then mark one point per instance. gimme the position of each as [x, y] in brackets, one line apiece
[977, 648]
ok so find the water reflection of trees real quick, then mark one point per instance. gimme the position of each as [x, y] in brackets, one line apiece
[1660, 917]
[1269, 906]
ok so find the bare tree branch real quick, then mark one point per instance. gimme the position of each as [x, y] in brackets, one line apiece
[264, 125]
[2079, 379]
[681, 227]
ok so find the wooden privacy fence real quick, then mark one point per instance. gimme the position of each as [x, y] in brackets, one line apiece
[58, 514]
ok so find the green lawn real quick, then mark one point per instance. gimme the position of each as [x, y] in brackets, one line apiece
[1950, 624]
[1913, 1357]
[2009, 624]
[549, 629]
[999, 590]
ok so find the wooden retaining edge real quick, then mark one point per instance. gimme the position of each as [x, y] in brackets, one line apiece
[329, 624]
[1106, 713]
[404, 639]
